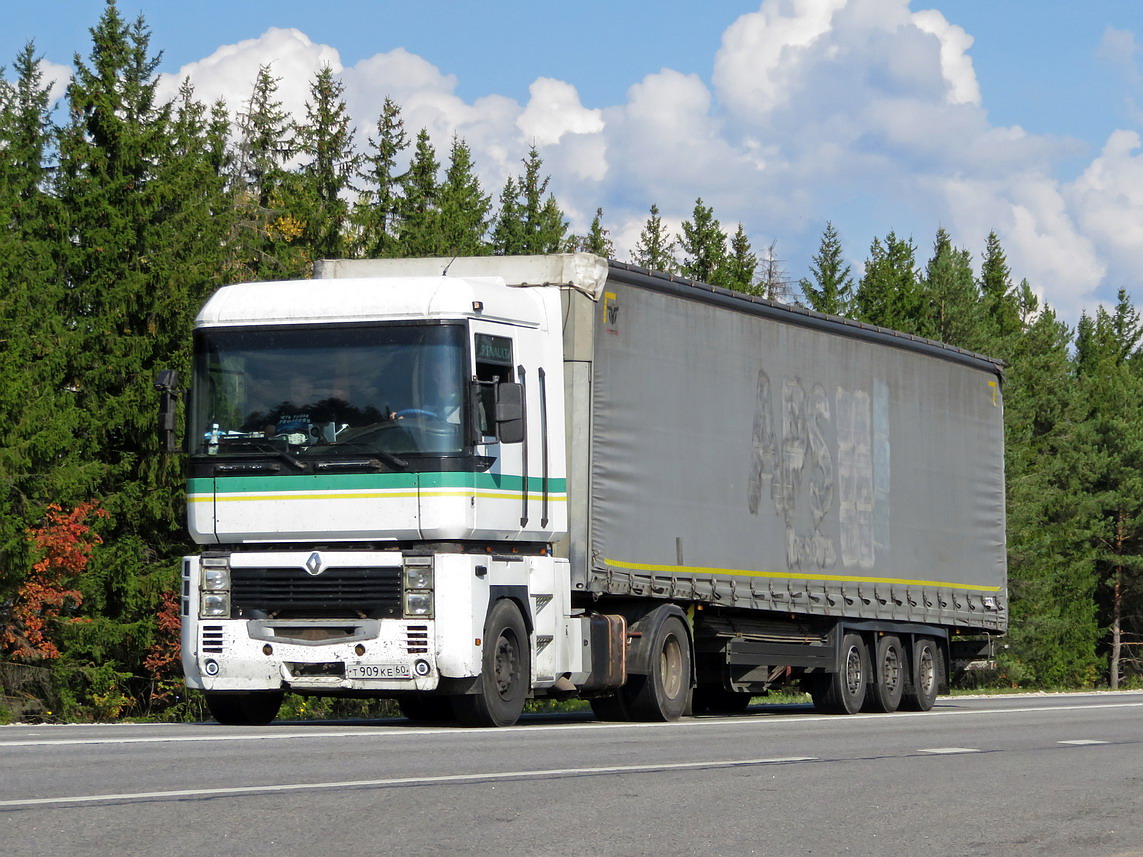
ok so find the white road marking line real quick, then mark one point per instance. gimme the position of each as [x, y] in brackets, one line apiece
[948, 751]
[279, 733]
[414, 781]
[1080, 742]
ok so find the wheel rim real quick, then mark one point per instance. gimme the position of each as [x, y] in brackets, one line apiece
[926, 670]
[507, 665]
[853, 674]
[671, 666]
[891, 669]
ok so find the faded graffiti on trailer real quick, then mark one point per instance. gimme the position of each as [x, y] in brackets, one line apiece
[797, 467]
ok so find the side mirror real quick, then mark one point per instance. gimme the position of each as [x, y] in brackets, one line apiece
[167, 383]
[510, 412]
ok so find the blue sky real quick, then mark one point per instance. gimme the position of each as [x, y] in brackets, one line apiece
[1022, 116]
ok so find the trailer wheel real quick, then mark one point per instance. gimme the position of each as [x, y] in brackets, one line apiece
[888, 682]
[663, 693]
[505, 673]
[232, 708]
[843, 692]
[426, 707]
[927, 668]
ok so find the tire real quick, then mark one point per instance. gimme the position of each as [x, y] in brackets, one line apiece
[888, 675]
[719, 700]
[426, 708]
[232, 708]
[663, 694]
[843, 692]
[926, 674]
[505, 671]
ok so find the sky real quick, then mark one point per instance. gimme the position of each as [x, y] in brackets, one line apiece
[1022, 117]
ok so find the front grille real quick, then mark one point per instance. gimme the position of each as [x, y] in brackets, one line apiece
[292, 593]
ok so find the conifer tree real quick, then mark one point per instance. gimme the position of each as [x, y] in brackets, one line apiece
[954, 302]
[655, 248]
[38, 419]
[773, 284]
[597, 241]
[529, 220]
[1053, 625]
[419, 211]
[264, 235]
[1000, 301]
[464, 206]
[703, 245]
[889, 294]
[375, 212]
[740, 265]
[831, 291]
[324, 141]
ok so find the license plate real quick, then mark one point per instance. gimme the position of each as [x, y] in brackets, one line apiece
[378, 671]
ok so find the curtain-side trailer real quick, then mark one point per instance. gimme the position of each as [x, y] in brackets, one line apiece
[461, 483]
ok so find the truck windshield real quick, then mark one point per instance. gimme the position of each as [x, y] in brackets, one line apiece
[312, 393]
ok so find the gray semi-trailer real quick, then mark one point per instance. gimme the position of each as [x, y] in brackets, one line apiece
[461, 483]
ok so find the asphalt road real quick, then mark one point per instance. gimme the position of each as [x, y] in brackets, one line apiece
[1020, 775]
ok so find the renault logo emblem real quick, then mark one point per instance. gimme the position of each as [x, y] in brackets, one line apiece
[313, 564]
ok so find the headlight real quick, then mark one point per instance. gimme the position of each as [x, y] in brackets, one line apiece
[419, 604]
[215, 606]
[215, 579]
[418, 577]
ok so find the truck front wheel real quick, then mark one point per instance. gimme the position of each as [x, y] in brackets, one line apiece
[505, 673]
[232, 708]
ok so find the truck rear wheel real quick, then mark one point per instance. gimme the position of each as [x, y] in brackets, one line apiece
[663, 693]
[888, 675]
[926, 670]
[843, 692]
[232, 708]
[505, 674]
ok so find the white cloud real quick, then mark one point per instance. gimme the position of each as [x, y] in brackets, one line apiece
[555, 110]
[863, 112]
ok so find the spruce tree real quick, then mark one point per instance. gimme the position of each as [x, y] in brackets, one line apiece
[465, 208]
[262, 244]
[655, 248]
[703, 245]
[1000, 301]
[889, 294]
[597, 241]
[375, 212]
[529, 220]
[324, 141]
[831, 291]
[740, 265]
[419, 211]
[954, 302]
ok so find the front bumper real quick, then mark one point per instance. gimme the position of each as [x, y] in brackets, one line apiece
[364, 656]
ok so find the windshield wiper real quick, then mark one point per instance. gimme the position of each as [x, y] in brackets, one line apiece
[262, 446]
[388, 457]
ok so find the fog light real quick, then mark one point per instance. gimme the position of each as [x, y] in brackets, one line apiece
[267, 650]
[215, 605]
[418, 604]
[359, 650]
[421, 668]
[210, 667]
